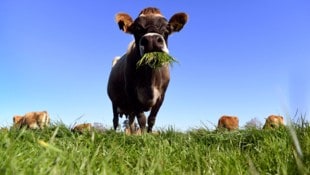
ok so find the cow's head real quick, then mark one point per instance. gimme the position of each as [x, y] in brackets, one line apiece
[17, 119]
[151, 29]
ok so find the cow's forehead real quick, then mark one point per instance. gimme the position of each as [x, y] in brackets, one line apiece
[151, 21]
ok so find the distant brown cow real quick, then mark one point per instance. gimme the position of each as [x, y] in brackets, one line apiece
[133, 90]
[85, 127]
[228, 122]
[32, 120]
[273, 121]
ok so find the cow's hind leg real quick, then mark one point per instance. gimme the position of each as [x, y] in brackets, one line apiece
[115, 116]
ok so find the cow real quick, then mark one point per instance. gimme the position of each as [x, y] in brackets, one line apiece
[80, 128]
[32, 120]
[135, 90]
[228, 122]
[273, 121]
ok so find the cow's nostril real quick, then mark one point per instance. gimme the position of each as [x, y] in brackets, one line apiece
[160, 40]
[143, 42]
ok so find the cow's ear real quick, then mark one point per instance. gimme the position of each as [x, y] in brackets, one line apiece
[177, 21]
[124, 21]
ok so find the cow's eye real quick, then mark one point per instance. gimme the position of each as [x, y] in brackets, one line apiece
[139, 29]
[166, 32]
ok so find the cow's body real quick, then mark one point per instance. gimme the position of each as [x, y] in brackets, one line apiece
[273, 121]
[134, 90]
[32, 120]
[228, 122]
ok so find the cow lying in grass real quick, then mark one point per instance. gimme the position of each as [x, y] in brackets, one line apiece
[273, 121]
[81, 128]
[134, 89]
[32, 120]
[228, 122]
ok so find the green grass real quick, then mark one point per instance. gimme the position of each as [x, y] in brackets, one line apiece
[56, 150]
[155, 59]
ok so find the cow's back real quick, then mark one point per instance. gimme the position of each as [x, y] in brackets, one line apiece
[116, 83]
[36, 120]
[80, 128]
[274, 121]
[228, 122]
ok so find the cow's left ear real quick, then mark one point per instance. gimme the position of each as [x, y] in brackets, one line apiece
[177, 21]
[124, 21]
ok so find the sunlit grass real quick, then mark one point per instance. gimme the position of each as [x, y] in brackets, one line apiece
[56, 150]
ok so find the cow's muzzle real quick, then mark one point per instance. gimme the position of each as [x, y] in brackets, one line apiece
[152, 42]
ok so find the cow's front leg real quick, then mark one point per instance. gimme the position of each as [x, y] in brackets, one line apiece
[153, 113]
[131, 123]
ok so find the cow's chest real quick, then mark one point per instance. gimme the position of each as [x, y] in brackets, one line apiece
[147, 95]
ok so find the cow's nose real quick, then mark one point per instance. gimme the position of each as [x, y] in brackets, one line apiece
[153, 42]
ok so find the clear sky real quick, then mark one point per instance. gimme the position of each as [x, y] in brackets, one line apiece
[244, 58]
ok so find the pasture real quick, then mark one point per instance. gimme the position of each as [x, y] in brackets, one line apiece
[56, 150]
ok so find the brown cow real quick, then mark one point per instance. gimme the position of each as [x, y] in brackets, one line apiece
[133, 90]
[274, 121]
[228, 122]
[80, 128]
[32, 120]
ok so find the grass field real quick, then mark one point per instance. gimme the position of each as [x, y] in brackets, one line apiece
[56, 150]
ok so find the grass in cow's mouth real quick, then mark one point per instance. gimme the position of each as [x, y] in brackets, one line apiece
[155, 59]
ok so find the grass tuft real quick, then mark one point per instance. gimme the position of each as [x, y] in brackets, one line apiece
[56, 150]
[155, 59]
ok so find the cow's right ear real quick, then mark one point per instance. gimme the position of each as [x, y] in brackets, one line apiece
[124, 21]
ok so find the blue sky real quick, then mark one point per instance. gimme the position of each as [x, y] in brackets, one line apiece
[243, 58]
